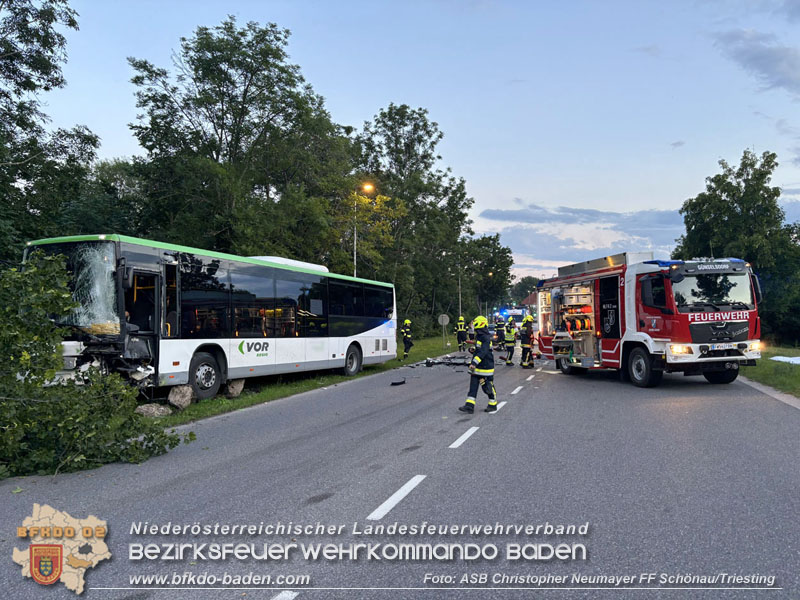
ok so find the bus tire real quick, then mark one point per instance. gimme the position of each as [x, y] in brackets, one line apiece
[721, 376]
[204, 376]
[640, 369]
[352, 361]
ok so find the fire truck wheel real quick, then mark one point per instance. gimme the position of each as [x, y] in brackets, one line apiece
[640, 369]
[567, 369]
[721, 376]
[204, 376]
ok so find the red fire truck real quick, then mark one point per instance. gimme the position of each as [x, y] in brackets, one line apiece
[648, 317]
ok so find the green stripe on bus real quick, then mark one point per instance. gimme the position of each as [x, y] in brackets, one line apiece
[164, 246]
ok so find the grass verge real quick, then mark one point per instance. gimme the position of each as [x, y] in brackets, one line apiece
[782, 376]
[258, 390]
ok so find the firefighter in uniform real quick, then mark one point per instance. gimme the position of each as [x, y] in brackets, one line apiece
[461, 334]
[526, 341]
[499, 332]
[510, 338]
[407, 343]
[481, 369]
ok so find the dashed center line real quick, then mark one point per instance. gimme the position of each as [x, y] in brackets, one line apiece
[516, 390]
[530, 377]
[395, 498]
[499, 406]
[285, 595]
[464, 437]
[539, 369]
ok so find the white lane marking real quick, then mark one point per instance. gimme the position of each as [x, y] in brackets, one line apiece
[539, 369]
[395, 498]
[552, 372]
[285, 595]
[772, 393]
[464, 437]
[516, 390]
[499, 406]
[530, 377]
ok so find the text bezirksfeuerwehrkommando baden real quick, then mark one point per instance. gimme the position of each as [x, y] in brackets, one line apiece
[416, 551]
[321, 529]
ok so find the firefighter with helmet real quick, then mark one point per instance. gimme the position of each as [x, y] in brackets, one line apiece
[407, 343]
[461, 334]
[526, 341]
[481, 369]
[499, 332]
[510, 338]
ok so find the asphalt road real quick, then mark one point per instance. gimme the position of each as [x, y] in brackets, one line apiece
[684, 479]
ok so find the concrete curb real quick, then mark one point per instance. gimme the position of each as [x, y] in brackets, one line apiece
[772, 392]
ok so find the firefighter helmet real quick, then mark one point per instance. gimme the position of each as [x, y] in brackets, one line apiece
[480, 322]
[407, 322]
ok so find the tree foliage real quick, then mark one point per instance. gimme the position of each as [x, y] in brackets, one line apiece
[76, 424]
[739, 215]
[37, 168]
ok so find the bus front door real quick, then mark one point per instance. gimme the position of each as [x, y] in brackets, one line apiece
[142, 317]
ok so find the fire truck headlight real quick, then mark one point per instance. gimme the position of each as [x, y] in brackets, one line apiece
[756, 346]
[680, 349]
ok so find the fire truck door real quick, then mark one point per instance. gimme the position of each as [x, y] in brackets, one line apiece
[651, 301]
[609, 320]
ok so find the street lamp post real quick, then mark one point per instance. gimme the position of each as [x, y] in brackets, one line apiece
[366, 188]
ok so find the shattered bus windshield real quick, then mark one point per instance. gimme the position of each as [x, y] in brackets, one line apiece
[711, 291]
[91, 269]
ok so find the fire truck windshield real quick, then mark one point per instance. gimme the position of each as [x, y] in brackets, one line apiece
[713, 291]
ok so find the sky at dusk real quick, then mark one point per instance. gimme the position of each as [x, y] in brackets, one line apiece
[580, 128]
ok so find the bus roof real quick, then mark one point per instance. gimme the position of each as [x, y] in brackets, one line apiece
[113, 237]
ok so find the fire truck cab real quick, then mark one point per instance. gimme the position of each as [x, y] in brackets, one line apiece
[648, 317]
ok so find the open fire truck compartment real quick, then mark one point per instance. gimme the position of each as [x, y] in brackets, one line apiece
[645, 317]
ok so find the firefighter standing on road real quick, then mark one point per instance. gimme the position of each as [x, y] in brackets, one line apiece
[481, 369]
[407, 343]
[461, 334]
[526, 341]
[510, 337]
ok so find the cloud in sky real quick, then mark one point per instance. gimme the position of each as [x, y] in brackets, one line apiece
[760, 54]
[543, 239]
[678, 144]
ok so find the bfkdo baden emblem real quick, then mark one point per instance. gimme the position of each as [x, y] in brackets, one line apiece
[46, 562]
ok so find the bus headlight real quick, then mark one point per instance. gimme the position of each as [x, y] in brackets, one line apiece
[680, 349]
[756, 346]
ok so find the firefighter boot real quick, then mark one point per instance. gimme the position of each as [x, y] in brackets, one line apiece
[469, 407]
[491, 408]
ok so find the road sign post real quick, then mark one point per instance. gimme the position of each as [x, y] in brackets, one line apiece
[443, 321]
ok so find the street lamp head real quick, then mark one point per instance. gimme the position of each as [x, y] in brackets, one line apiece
[490, 273]
[368, 188]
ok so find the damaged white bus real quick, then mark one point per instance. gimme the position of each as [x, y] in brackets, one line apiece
[167, 315]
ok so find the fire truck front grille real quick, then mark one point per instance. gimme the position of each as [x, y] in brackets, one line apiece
[710, 333]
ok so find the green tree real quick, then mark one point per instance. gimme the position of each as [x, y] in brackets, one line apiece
[523, 288]
[37, 169]
[739, 215]
[73, 425]
[241, 154]
[431, 235]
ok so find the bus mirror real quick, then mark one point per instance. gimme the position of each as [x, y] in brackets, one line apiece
[127, 278]
[676, 276]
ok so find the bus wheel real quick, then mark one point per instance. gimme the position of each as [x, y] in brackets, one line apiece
[352, 361]
[640, 369]
[721, 376]
[204, 376]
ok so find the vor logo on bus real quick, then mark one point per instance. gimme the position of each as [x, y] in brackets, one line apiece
[259, 347]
